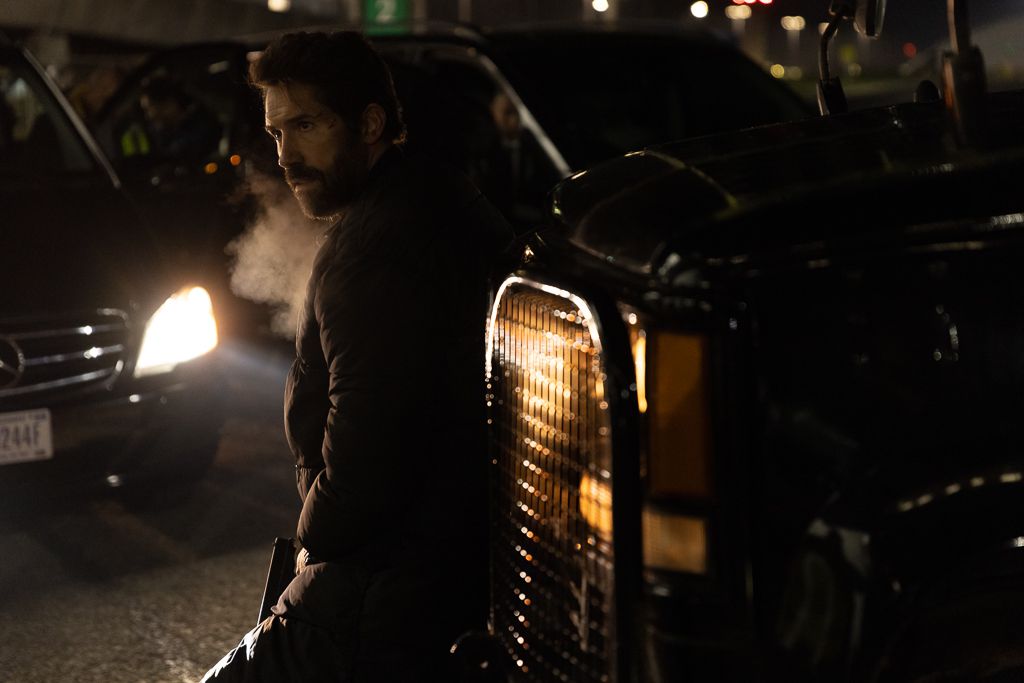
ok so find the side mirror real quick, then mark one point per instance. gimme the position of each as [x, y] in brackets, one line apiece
[868, 17]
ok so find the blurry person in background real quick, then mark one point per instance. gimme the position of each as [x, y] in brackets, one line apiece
[89, 95]
[509, 173]
[506, 158]
[506, 120]
[384, 404]
[180, 129]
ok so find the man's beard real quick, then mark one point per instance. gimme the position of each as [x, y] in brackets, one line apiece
[332, 190]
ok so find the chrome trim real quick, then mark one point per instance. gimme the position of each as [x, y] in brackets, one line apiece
[553, 575]
[83, 131]
[88, 354]
[577, 301]
[98, 347]
[65, 382]
[12, 373]
[67, 331]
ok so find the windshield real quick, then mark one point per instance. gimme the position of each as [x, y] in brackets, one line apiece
[36, 136]
[599, 95]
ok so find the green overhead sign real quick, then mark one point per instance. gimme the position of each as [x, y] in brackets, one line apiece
[385, 16]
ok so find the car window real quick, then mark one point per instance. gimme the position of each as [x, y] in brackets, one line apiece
[602, 95]
[456, 111]
[36, 135]
[176, 118]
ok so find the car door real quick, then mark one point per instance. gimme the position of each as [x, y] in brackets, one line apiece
[183, 177]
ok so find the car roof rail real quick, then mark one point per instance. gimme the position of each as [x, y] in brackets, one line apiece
[431, 28]
[653, 27]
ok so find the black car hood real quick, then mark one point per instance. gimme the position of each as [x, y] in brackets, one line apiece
[631, 211]
[74, 245]
[622, 211]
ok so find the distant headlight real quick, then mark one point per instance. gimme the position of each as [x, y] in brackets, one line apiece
[182, 328]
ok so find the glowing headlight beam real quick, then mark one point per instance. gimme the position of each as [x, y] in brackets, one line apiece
[183, 328]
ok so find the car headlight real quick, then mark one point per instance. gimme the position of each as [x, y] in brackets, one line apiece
[182, 328]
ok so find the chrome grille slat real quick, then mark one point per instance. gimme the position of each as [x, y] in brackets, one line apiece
[57, 384]
[582, 451]
[84, 330]
[553, 579]
[87, 354]
[75, 351]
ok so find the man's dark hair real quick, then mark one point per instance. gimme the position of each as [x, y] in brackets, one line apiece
[346, 72]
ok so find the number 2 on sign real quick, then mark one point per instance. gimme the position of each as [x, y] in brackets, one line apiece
[386, 10]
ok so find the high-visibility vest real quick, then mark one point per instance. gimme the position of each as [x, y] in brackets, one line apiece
[134, 141]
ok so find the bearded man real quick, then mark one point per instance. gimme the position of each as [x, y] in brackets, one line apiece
[384, 407]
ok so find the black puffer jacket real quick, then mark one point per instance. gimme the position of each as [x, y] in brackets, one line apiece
[384, 405]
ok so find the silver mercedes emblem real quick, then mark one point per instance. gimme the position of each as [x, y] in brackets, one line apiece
[12, 363]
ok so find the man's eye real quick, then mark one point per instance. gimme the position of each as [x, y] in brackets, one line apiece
[305, 125]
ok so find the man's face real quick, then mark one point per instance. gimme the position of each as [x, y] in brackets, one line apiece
[324, 162]
[506, 117]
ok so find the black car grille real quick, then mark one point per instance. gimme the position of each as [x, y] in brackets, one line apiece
[553, 566]
[58, 355]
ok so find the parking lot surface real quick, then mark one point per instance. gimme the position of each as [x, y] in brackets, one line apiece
[154, 586]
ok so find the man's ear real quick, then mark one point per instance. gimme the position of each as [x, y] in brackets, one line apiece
[373, 122]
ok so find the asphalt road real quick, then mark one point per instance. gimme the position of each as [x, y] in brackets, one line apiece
[103, 589]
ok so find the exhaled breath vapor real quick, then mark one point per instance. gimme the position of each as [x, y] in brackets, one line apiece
[272, 259]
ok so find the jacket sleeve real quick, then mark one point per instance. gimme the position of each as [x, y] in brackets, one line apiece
[306, 409]
[377, 334]
[306, 403]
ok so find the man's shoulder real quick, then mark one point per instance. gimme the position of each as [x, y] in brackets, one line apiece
[419, 198]
[433, 182]
[419, 206]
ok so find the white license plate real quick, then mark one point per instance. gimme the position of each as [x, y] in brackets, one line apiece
[25, 435]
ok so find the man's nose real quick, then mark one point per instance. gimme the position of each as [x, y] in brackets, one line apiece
[287, 153]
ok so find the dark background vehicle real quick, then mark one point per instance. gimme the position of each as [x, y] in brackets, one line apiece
[499, 105]
[755, 407]
[105, 366]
